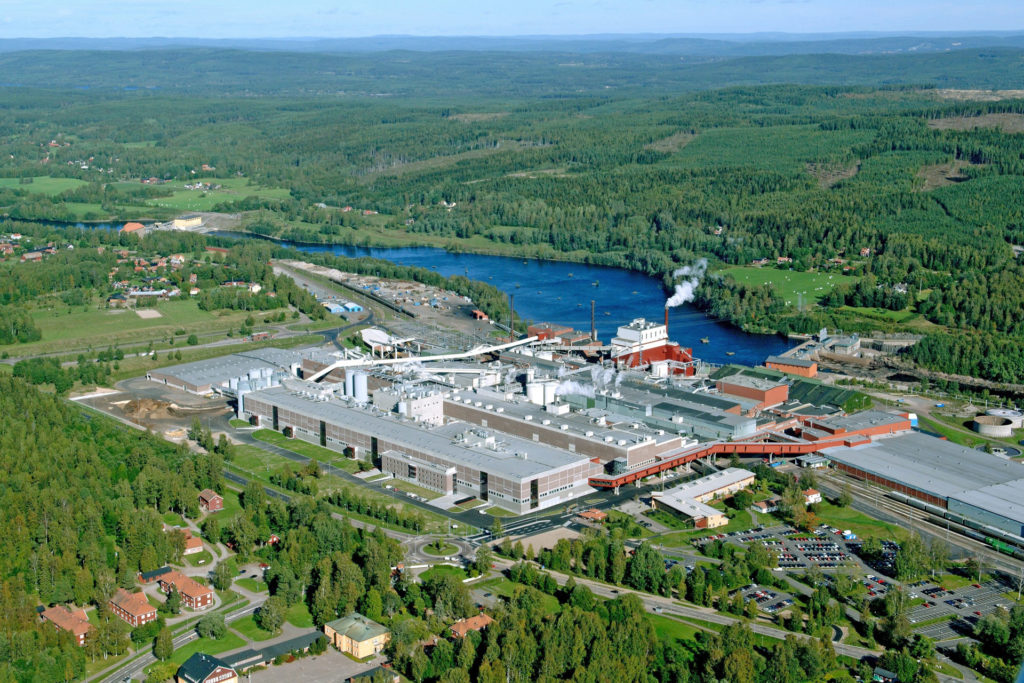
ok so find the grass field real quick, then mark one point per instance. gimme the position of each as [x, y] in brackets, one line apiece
[173, 518]
[210, 646]
[444, 570]
[858, 522]
[238, 424]
[43, 184]
[408, 487]
[199, 559]
[77, 328]
[446, 549]
[248, 628]
[667, 627]
[304, 448]
[789, 283]
[298, 615]
[232, 189]
[252, 585]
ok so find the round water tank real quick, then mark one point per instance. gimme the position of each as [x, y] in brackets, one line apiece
[361, 392]
[993, 425]
[349, 382]
[549, 392]
[535, 393]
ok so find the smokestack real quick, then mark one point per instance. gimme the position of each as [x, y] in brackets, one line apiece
[511, 317]
[593, 326]
[666, 322]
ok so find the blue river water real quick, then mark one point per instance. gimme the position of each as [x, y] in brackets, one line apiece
[559, 292]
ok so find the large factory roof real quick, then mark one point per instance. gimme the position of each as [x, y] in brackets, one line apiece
[925, 463]
[863, 420]
[1001, 499]
[216, 371]
[578, 425]
[460, 443]
[791, 361]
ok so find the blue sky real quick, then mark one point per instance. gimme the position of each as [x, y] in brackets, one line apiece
[343, 18]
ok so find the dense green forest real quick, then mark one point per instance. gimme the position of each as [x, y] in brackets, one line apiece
[879, 174]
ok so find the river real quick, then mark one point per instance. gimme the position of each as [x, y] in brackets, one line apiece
[560, 292]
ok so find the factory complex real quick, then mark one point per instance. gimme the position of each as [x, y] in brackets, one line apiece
[543, 421]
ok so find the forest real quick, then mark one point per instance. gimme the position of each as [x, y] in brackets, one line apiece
[878, 173]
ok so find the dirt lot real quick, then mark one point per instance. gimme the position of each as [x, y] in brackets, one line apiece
[1008, 123]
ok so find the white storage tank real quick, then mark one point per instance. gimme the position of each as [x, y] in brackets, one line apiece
[1015, 417]
[349, 382]
[535, 393]
[360, 387]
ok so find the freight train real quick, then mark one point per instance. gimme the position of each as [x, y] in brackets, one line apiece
[997, 539]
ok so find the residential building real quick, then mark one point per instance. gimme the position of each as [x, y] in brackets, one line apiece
[193, 594]
[204, 668]
[75, 622]
[133, 608]
[477, 622]
[210, 500]
[812, 496]
[357, 635]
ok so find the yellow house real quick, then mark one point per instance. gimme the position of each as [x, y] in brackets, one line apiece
[357, 635]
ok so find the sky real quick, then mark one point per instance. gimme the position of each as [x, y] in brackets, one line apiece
[350, 18]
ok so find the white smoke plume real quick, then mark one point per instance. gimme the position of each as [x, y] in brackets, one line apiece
[602, 377]
[569, 387]
[686, 289]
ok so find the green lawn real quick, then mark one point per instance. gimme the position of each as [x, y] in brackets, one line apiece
[199, 559]
[230, 641]
[858, 522]
[408, 487]
[667, 627]
[789, 283]
[298, 615]
[503, 587]
[43, 184]
[309, 450]
[232, 506]
[446, 549]
[444, 570]
[174, 519]
[235, 422]
[248, 628]
[251, 584]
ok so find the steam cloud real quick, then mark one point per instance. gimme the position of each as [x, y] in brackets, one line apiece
[567, 387]
[685, 290]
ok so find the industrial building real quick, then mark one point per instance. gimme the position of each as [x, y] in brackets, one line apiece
[983, 487]
[643, 342]
[509, 472]
[793, 366]
[689, 499]
[257, 368]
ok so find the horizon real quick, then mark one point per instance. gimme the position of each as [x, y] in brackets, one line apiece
[261, 20]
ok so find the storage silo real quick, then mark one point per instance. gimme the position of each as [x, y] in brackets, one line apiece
[360, 382]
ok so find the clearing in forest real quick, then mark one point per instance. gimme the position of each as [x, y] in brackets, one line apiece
[673, 143]
[940, 175]
[1007, 123]
[831, 173]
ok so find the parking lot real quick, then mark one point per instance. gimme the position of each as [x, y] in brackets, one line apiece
[825, 547]
[961, 608]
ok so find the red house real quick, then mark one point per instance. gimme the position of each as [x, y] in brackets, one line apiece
[75, 623]
[134, 608]
[193, 594]
[210, 500]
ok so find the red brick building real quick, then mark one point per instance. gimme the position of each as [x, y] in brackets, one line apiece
[193, 594]
[476, 623]
[210, 500]
[765, 392]
[793, 366]
[134, 608]
[74, 622]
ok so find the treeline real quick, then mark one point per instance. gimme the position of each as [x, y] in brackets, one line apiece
[348, 500]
